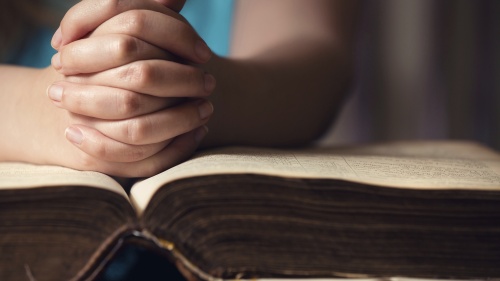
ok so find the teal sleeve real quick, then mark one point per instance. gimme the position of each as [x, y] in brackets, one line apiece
[212, 19]
[35, 51]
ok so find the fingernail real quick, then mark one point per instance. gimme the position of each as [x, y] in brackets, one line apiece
[202, 51]
[74, 135]
[56, 61]
[200, 134]
[55, 92]
[56, 39]
[209, 82]
[206, 109]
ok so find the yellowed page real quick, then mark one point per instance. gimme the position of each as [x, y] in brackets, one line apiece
[21, 175]
[425, 165]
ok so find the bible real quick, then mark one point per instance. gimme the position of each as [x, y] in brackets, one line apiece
[422, 209]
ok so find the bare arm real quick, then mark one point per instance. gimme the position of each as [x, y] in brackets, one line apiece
[29, 121]
[107, 110]
[284, 81]
[289, 69]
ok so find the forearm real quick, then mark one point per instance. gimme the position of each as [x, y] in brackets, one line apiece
[289, 68]
[23, 102]
[283, 97]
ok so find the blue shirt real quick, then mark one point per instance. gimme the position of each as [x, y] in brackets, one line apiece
[211, 19]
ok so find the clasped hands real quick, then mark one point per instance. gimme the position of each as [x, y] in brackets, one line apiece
[132, 84]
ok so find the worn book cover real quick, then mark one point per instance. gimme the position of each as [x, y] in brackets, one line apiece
[404, 209]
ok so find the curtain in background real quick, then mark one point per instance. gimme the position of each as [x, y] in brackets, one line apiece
[426, 69]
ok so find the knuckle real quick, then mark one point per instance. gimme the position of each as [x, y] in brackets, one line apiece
[125, 47]
[137, 130]
[139, 74]
[78, 105]
[100, 151]
[79, 102]
[129, 103]
[134, 21]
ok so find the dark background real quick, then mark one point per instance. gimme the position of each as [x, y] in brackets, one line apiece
[426, 69]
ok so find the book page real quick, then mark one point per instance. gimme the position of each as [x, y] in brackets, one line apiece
[21, 175]
[423, 165]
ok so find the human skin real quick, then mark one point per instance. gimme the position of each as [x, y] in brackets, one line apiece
[283, 82]
[122, 132]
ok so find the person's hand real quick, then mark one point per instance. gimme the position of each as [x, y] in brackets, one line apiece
[120, 85]
[87, 15]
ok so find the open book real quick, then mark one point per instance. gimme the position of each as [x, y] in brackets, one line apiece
[415, 209]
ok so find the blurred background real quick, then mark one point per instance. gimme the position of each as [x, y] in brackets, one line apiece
[426, 69]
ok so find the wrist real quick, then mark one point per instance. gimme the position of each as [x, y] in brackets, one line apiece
[38, 119]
